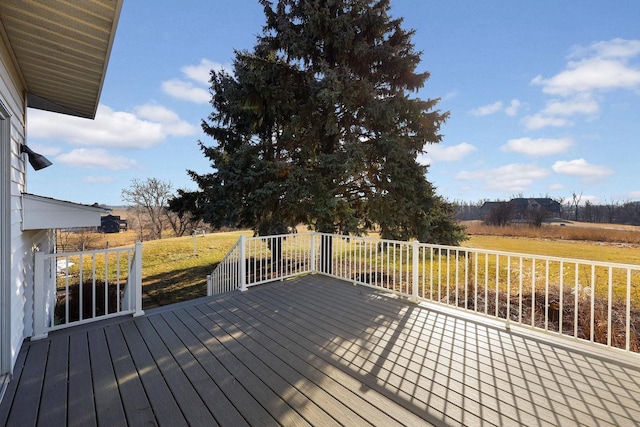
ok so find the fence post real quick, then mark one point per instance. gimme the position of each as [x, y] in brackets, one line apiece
[242, 255]
[312, 253]
[137, 267]
[415, 264]
[39, 299]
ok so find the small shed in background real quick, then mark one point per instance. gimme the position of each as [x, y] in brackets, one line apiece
[112, 224]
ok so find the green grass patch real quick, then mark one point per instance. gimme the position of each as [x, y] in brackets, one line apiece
[172, 271]
[587, 250]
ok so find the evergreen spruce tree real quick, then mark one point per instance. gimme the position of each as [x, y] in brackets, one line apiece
[316, 126]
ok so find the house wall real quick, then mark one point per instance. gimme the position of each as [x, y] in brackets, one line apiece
[18, 246]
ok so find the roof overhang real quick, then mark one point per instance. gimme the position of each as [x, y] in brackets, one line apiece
[61, 50]
[44, 213]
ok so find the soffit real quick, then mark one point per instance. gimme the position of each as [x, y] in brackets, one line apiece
[61, 49]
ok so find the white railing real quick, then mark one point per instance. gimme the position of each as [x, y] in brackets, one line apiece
[585, 300]
[73, 288]
[265, 259]
[226, 276]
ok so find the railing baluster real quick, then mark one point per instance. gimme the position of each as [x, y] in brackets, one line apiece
[546, 296]
[576, 295]
[610, 300]
[628, 313]
[406, 267]
[508, 289]
[533, 292]
[497, 302]
[593, 302]
[561, 302]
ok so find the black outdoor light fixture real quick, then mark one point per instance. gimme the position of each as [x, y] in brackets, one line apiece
[38, 161]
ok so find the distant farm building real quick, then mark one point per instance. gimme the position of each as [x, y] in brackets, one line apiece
[112, 224]
[524, 205]
[520, 210]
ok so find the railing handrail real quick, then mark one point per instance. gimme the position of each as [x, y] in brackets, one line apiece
[88, 252]
[489, 251]
[127, 272]
[520, 288]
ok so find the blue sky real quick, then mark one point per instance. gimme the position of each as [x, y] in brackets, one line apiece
[544, 98]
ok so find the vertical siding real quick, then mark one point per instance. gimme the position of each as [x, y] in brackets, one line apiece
[13, 98]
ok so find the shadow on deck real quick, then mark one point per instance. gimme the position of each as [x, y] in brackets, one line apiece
[314, 351]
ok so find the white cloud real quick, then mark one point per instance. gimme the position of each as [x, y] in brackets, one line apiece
[95, 158]
[589, 75]
[98, 179]
[446, 153]
[148, 126]
[582, 104]
[498, 106]
[557, 187]
[581, 168]
[598, 67]
[487, 110]
[594, 69]
[538, 147]
[615, 48]
[510, 178]
[202, 72]
[168, 119]
[194, 87]
[186, 91]
[513, 108]
[539, 121]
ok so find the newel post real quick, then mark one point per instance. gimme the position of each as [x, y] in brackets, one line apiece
[137, 267]
[242, 255]
[312, 253]
[415, 264]
[39, 298]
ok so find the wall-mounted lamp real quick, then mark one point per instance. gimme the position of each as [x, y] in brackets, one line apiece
[38, 161]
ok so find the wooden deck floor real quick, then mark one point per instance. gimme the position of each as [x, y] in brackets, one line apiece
[313, 351]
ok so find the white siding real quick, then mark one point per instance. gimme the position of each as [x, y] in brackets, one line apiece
[13, 98]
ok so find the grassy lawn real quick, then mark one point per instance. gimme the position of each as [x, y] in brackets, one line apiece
[171, 272]
[589, 250]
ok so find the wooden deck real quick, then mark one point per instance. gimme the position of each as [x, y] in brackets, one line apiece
[314, 351]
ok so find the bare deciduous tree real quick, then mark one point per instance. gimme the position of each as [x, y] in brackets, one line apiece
[575, 201]
[151, 197]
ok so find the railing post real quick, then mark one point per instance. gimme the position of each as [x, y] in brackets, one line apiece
[209, 285]
[137, 267]
[39, 298]
[242, 255]
[415, 264]
[312, 253]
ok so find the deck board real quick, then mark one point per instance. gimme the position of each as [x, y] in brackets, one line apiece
[315, 351]
[373, 408]
[211, 395]
[136, 405]
[165, 407]
[109, 407]
[7, 403]
[54, 391]
[81, 409]
[192, 406]
[199, 341]
[30, 386]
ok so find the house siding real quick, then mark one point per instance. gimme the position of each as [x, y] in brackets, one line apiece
[18, 246]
